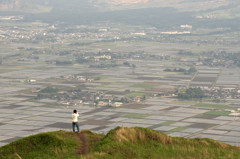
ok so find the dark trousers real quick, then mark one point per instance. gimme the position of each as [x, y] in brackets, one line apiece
[75, 125]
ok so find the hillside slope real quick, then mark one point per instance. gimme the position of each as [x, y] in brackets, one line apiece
[166, 15]
[118, 143]
[25, 6]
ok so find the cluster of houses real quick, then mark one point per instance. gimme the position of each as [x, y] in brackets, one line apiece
[103, 57]
[222, 59]
[79, 78]
[46, 32]
[77, 96]
[96, 98]
[221, 94]
[207, 16]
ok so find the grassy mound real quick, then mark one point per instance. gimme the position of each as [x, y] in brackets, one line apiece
[58, 144]
[118, 143]
[147, 143]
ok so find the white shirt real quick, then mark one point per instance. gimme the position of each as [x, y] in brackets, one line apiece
[75, 117]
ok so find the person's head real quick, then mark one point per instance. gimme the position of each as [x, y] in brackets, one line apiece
[74, 111]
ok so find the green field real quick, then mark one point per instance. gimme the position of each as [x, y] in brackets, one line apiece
[218, 113]
[176, 130]
[215, 106]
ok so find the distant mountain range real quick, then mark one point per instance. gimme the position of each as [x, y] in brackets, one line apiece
[25, 5]
[9, 4]
[156, 13]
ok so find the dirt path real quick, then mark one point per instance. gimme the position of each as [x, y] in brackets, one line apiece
[189, 83]
[84, 146]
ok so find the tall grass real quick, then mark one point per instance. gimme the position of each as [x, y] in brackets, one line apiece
[119, 143]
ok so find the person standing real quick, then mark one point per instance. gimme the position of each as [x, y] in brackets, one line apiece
[75, 116]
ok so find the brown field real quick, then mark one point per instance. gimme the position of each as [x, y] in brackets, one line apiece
[204, 79]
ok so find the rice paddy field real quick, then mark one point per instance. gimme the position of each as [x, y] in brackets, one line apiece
[51, 57]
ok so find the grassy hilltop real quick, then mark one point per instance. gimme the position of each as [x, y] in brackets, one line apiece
[118, 143]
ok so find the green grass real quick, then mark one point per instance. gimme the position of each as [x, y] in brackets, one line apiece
[223, 113]
[143, 143]
[176, 130]
[44, 145]
[58, 144]
[119, 143]
[215, 106]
